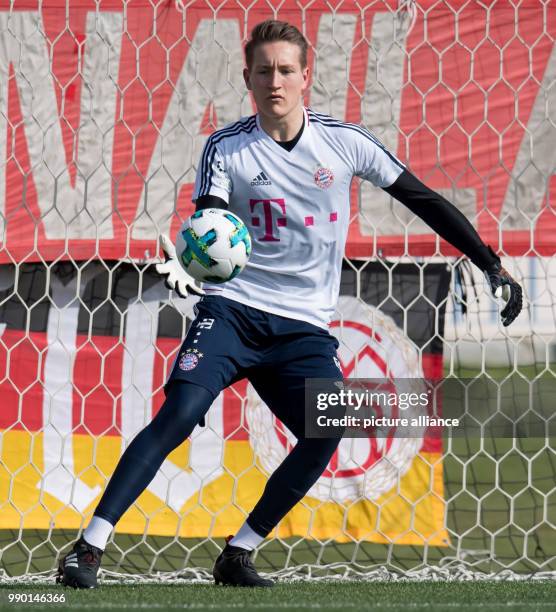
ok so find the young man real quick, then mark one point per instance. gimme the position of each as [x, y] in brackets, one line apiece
[286, 171]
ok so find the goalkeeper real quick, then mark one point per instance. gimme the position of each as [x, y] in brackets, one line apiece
[286, 171]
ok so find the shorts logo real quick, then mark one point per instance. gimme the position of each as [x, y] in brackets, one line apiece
[206, 323]
[189, 359]
[337, 362]
[323, 177]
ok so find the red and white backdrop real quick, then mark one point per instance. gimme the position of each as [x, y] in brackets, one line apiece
[103, 114]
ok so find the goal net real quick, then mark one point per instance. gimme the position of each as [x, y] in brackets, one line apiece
[104, 110]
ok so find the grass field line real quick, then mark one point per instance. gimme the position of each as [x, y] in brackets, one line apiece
[320, 606]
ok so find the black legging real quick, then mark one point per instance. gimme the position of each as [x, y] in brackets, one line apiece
[307, 460]
[290, 482]
[185, 406]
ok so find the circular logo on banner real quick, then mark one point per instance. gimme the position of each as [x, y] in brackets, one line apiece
[188, 361]
[324, 177]
[371, 346]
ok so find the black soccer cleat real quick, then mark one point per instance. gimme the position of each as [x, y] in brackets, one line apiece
[235, 568]
[79, 568]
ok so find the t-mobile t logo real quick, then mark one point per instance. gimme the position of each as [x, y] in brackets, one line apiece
[271, 219]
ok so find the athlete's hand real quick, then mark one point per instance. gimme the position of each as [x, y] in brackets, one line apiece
[175, 277]
[502, 285]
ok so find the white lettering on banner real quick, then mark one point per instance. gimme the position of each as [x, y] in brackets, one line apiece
[380, 111]
[141, 327]
[536, 159]
[332, 63]
[171, 484]
[83, 212]
[59, 478]
[380, 214]
[210, 79]
[212, 73]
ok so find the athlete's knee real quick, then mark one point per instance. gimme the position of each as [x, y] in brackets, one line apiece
[317, 452]
[190, 396]
[185, 407]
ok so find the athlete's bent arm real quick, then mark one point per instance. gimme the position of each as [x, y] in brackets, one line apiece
[449, 223]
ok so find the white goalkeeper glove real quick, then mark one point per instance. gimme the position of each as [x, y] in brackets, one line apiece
[175, 277]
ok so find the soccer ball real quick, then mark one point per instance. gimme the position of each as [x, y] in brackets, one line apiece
[213, 245]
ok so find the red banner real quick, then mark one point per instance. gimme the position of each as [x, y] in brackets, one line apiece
[107, 112]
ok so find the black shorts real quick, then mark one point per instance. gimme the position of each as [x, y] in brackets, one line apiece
[229, 341]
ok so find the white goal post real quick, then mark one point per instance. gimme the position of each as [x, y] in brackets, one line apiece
[104, 111]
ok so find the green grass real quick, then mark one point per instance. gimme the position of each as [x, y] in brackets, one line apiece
[389, 596]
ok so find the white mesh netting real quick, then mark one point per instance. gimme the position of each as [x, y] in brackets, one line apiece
[103, 114]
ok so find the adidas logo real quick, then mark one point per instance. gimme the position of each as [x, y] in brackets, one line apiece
[261, 179]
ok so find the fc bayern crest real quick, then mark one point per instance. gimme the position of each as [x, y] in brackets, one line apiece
[188, 361]
[324, 177]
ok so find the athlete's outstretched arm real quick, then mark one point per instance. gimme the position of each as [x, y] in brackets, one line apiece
[449, 223]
